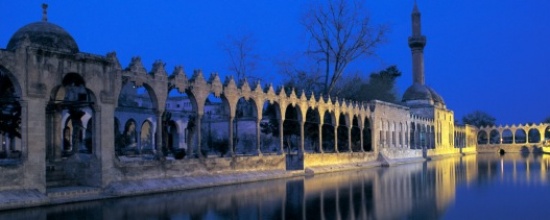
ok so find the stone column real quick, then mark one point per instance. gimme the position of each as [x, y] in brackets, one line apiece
[24, 126]
[281, 141]
[302, 124]
[96, 132]
[321, 137]
[57, 133]
[361, 129]
[349, 139]
[158, 149]
[77, 134]
[542, 136]
[199, 133]
[190, 140]
[230, 136]
[258, 138]
[417, 139]
[336, 138]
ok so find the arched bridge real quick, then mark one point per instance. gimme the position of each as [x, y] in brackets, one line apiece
[515, 138]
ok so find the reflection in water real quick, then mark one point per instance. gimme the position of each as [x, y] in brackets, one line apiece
[414, 191]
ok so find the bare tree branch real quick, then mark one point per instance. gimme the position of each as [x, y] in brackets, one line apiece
[243, 60]
[341, 33]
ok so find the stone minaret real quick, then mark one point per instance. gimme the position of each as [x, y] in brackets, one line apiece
[417, 42]
[44, 12]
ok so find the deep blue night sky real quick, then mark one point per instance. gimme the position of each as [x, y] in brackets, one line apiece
[491, 55]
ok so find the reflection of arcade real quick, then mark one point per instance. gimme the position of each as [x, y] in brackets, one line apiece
[510, 167]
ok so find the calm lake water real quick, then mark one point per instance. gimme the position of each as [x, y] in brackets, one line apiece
[484, 186]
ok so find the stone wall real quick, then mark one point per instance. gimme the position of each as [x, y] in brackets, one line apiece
[338, 159]
[154, 169]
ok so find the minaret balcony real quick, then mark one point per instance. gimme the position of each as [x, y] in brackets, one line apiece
[417, 41]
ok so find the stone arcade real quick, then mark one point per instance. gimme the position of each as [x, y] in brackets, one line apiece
[76, 120]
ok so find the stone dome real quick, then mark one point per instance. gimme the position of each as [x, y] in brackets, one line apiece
[44, 35]
[436, 97]
[418, 92]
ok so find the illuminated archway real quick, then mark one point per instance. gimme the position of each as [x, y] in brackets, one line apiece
[367, 139]
[520, 136]
[494, 137]
[507, 136]
[534, 135]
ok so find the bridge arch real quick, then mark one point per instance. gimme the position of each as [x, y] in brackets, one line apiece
[507, 136]
[482, 137]
[534, 136]
[495, 137]
[520, 136]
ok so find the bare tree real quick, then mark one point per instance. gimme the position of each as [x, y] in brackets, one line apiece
[243, 60]
[340, 33]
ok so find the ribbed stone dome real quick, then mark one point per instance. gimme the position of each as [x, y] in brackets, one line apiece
[44, 35]
[436, 97]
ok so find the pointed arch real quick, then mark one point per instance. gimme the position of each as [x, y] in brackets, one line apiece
[355, 134]
[244, 126]
[311, 128]
[367, 135]
[291, 128]
[269, 127]
[329, 123]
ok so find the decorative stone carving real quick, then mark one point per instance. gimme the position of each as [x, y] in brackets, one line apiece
[158, 69]
[216, 84]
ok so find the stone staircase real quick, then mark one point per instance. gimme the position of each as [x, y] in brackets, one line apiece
[57, 177]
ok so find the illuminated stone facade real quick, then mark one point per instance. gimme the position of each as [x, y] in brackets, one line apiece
[78, 126]
[515, 138]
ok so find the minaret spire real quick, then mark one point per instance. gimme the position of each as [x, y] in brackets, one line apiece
[417, 41]
[44, 12]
